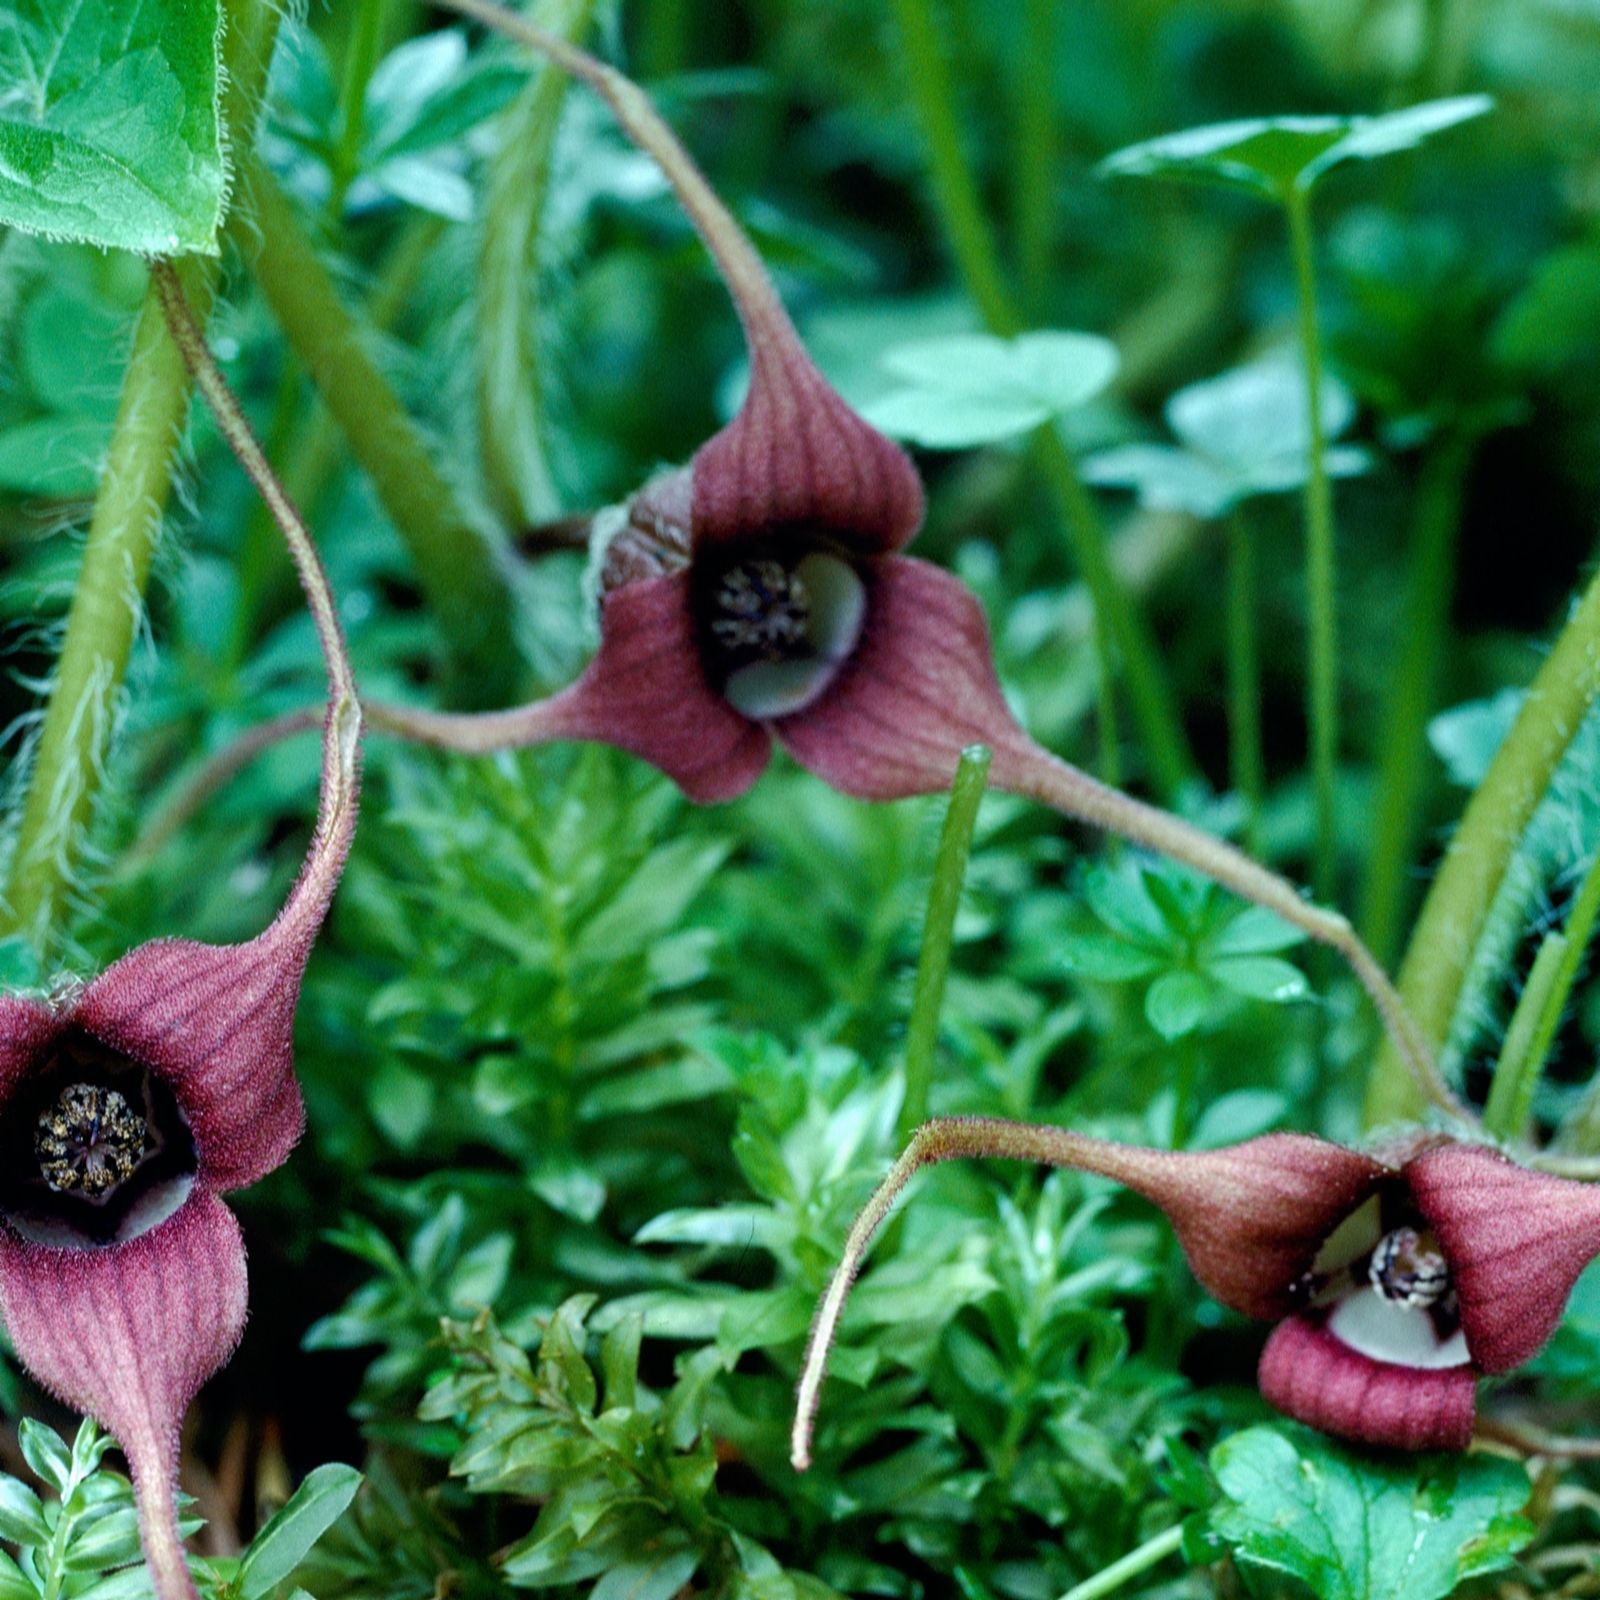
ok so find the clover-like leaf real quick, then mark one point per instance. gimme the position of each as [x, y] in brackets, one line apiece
[109, 127]
[1243, 433]
[1357, 1526]
[1277, 157]
[974, 389]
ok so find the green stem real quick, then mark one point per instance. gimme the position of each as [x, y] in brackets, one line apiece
[1323, 676]
[1458, 902]
[454, 564]
[361, 56]
[665, 27]
[938, 933]
[1521, 1061]
[1033, 162]
[1576, 936]
[1402, 759]
[1109, 1579]
[977, 259]
[68, 761]
[510, 394]
[312, 450]
[954, 189]
[1122, 624]
[1246, 762]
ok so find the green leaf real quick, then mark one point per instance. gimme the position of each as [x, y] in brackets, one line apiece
[109, 128]
[657, 1576]
[1367, 1527]
[1259, 978]
[311, 1510]
[43, 1450]
[13, 1585]
[21, 1514]
[973, 388]
[1278, 156]
[1176, 1003]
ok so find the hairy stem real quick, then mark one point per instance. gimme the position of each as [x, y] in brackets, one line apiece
[69, 758]
[1322, 706]
[1025, 769]
[510, 392]
[1404, 739]
[938, 932]
[1474, 865]
[1521, 1061]
[956, 196]
[341, 738]
[454, 564]
[1147, 1172]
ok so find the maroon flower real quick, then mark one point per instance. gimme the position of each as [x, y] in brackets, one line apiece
[1396, 1280]
[762, 592]
[128, 1107]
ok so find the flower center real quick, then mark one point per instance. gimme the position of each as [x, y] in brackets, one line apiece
[762, 612]
[89, 1141]
[776, 629]
[94, 1148]
[1386, 1289]
[1408, 1268]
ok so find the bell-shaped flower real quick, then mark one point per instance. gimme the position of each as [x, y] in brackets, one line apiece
[1396, 1280]
[763, 592]
[131, 1105]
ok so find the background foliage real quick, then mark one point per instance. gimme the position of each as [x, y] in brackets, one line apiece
[597, 1081]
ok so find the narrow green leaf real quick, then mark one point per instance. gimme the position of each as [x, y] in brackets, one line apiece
[1176, 1003]
[280, 1547]
[21, 1514]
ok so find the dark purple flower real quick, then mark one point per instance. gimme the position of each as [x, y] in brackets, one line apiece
[762, 592]
[1396, 1280]
[129, 1106]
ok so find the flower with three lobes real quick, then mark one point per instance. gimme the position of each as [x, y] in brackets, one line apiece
[762, 592]
[1396, 1279]
[130, 1106]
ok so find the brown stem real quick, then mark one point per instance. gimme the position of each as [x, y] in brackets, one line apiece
[342, 729]
[942, 1139]
[766, 323]
[1022, 767]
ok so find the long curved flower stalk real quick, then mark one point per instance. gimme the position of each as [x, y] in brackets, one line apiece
[130, 1106]
[1396, 1279]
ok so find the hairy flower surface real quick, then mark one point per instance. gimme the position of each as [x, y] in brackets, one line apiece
[130, 1106]
[1396, 1279]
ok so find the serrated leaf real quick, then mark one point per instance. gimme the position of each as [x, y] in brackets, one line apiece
[109, 129]
[1363, 1526]
[282, 1545]
[1277, 156]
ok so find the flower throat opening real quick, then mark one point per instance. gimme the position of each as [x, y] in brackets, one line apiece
[1386, 1288]
[94, 1149]
[777, 626]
